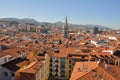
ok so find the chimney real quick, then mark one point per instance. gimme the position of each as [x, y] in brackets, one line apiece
[98, 61]
[106, 66]
[83, 67]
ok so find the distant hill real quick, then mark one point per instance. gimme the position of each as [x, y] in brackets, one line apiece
[88, 26]
[22, 21]
[59, 23]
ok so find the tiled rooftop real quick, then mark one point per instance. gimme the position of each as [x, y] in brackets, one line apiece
[94, 70]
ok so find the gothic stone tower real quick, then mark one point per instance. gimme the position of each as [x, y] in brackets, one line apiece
[66, 28]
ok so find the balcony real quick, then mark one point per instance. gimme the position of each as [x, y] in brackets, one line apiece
[54, 63]
[59, 74]
[53, 73]
[61, 70]
[53, 68]
[59, 65]
[54, 59]
[59, 60]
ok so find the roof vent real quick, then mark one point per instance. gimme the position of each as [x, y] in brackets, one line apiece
[106, 66]
[84, 68]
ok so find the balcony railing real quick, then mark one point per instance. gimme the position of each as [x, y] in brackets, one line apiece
[53, 73]
[54, 63]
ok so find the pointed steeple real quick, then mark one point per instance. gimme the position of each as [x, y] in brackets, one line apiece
[66, 21]
[66, 28]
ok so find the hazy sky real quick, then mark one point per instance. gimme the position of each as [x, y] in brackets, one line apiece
[101, 12]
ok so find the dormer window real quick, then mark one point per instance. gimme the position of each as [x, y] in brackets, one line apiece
[56, 50]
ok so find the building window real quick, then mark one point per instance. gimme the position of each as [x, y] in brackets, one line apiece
[83, 57]
[69, 71]
[69, 66]
[31, 76]
[5, 59]
[70, 61]
[12, 74]
[6, 74]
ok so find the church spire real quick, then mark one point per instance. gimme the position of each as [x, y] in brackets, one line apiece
[66, 21]
[66, 28]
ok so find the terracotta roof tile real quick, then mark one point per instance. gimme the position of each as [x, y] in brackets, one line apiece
[33, 67]
[94, 70]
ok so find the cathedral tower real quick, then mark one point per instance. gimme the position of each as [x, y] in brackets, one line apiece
[66, 28]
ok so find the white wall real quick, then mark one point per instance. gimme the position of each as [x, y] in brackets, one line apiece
[113, 38]
[2, 59]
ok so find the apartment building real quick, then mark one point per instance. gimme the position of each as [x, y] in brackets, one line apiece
[36, 70]
[58, 64]
[10, 70]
